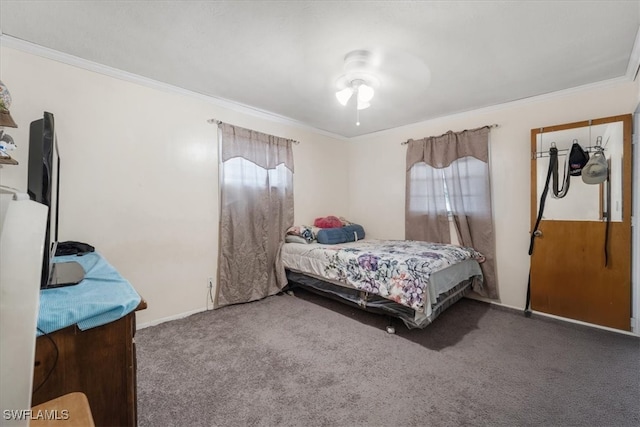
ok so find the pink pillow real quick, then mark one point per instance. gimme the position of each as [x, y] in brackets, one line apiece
[328, 222]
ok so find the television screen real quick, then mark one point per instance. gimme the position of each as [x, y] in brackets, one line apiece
[43, 187]
[40, 174]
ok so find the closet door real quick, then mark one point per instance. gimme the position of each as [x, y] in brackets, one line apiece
[569, 277]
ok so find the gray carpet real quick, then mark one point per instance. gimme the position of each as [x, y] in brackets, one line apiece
[308, 361]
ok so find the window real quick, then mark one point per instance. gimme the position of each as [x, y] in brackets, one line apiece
[427, 187]
[244, 173]
[434, 190]
[256, 208]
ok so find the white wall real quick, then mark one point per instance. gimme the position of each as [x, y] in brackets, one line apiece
[139, 173]
[377, 169]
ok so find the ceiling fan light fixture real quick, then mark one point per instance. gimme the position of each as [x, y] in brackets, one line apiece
[363, 90]
[365, 93]
[357, 80]
[344, 95]
[363, 105]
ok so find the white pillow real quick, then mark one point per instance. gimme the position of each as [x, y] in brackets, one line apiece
[290, 238]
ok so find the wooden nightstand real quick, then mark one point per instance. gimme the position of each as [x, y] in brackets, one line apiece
[100, 362]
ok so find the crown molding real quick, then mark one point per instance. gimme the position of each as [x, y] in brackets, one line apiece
[634, 59]
[38, 50]
[505, 105]
[44, 52]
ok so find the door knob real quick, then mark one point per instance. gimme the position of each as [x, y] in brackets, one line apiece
[537, 233]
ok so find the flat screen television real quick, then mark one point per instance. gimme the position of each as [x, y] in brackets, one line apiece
[43, 179]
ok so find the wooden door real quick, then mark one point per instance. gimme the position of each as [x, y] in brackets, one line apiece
[568, 273]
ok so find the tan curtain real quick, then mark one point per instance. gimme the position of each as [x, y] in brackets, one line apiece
[449, 175]
[256, 210]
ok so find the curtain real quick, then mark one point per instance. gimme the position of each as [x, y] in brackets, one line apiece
[448, 178]
[256, 208]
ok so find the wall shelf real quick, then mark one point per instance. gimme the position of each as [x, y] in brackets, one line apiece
[8, 161]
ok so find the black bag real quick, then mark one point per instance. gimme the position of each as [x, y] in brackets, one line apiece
[578, 158]
[73, 248]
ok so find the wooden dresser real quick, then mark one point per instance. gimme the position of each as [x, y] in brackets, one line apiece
[99, 362]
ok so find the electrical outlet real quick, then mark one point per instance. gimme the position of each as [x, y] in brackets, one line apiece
[210, 297]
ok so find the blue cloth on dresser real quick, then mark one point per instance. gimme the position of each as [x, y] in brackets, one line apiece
[334, 236]
[102, 297]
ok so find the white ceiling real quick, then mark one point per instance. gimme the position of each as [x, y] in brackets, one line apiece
[434, 58]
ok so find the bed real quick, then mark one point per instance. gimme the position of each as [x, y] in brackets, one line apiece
[411, 280]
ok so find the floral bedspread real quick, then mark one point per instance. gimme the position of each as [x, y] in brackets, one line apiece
[398, 270]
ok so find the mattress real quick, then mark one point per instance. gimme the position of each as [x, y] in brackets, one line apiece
[410, 273]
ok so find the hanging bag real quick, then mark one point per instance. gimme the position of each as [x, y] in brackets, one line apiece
[578, 158]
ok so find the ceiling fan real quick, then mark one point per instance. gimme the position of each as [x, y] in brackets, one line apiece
[357, 81]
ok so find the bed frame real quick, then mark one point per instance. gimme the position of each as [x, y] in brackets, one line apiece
[377, 304]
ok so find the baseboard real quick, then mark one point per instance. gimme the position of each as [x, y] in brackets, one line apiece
[634, 322]
[169, 318]
[591, 325]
